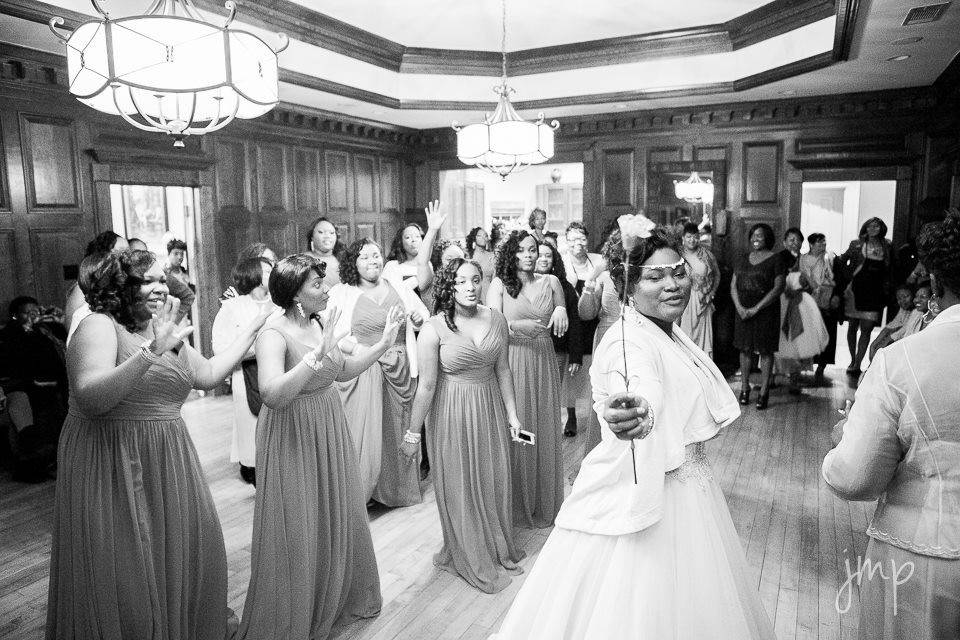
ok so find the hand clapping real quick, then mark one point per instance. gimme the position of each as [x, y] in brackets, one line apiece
[330, 337]
[167, 332]
[392, 326]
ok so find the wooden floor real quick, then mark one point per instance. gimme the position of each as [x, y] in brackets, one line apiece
[797, 536]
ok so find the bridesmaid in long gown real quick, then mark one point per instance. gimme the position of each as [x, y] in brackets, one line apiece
[137, 547]
[323, 243]
[697, 318]
[465, 393]
[533, 305]
[377, 403]
[313, 563]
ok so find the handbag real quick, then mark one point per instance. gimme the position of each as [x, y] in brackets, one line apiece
[254, 402]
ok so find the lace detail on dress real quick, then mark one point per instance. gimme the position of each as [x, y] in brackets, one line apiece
[695, 467]
[939, 551]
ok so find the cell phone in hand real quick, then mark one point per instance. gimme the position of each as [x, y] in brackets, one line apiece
[526, 437]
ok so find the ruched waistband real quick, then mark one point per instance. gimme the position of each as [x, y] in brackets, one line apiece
[126, 416]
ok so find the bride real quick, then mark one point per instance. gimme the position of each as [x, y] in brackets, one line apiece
[644, 547]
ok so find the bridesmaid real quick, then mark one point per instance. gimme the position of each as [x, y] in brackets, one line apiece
[410, 251]
[378, 402]
[465, 393]
[599, 300]
[137, 547]
[533, 305]
[697, 318]
[480, 250]
[313, 563]
[323, 243]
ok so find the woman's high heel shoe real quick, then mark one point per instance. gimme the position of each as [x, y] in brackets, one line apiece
[745, 397]
[763, 401]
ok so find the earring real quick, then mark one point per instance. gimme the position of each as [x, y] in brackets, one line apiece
[300, 310]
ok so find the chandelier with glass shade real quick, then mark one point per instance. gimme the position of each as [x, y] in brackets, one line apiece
[504, 141]
[693, 189]
[170, 70]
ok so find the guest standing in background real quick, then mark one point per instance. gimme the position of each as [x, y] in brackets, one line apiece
[480, 250]
[534, 307]
[409, 257]
[869, 263]
[818, 269]
[537, 222]
[312, 561]
[137, 547]
[784, 362]
[250, 278]
[323, 243]
[697, 318]
[252, 250]
[579, 265]
[443, 252]
[900, 446]
[755, 288]
[570, 346]
[466, 396]
[176, 255]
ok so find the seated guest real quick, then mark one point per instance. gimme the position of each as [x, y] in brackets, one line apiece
[904, 307]
[32, 362]
[911, 324]
[901, 444]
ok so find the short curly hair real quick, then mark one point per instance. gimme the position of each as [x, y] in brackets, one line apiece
[533, 216]
[176, 243]
[612, 249]
[288, 277]
[348, 265]
[507, 262]
[397, 252]
[938, 248]
[443, 289]
[114, 287]
[661, 237]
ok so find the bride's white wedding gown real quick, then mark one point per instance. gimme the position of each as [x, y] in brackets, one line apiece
[658, 558]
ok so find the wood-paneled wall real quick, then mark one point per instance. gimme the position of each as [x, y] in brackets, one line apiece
[264, 180]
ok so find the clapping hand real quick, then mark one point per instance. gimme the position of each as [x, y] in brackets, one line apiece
[629, 416]
[435, 218]
[167, 332]
[559, 321]
[331, 337]
[392, 326]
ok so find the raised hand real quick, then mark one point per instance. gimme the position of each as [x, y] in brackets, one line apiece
[261, 318]
[392, 326]
[167, 332]
[559, 321]
[331, 337]
[435, 218]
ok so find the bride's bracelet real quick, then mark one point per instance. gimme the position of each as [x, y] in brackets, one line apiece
[411, 437]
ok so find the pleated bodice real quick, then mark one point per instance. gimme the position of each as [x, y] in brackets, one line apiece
[370, 317]
[323, 380]
[463, 360]
[534, 302]
[160, 392]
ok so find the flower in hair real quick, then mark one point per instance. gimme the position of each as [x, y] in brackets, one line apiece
[633, 227]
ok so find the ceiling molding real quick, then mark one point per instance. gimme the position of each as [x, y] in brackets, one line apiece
[783, 72]
[343, 90]
[318, 29]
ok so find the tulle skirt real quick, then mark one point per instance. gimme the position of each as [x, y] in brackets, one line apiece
[812, 340]
[684, 578]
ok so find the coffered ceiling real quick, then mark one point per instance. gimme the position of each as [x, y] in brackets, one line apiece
[424, 63]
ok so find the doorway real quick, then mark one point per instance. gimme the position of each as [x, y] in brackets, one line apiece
[838, 209]
[157, 215]
[478, 198]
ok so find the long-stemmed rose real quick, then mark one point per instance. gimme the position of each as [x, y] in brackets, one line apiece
[633, 228]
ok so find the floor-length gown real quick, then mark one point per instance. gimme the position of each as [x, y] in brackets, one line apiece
[469, 441]
[605, 307]
[377, 404]
[137, 547]
[697, 318]
[312, 563]
[646, 549]
[537, 470]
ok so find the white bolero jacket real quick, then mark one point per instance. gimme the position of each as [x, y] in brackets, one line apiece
[691, 402]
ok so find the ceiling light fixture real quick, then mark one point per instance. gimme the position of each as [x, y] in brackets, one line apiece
[898, 58]
[171, 71]
[693, 189]
[505, 142]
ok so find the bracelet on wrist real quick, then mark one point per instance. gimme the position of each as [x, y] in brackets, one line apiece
[147, 353]
[310, 359]
[411, 437]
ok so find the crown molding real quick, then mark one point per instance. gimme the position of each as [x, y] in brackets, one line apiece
[318, 29]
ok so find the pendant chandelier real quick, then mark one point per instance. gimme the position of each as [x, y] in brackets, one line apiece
[504, 141]
[170, 70]
[693, 189]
